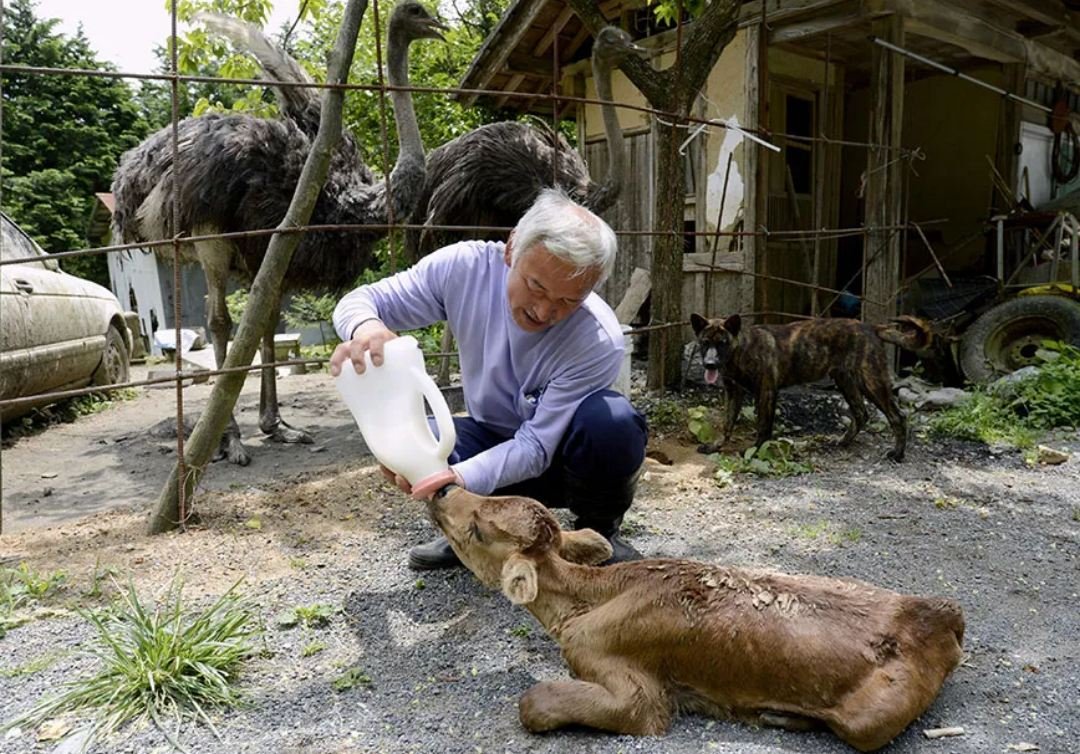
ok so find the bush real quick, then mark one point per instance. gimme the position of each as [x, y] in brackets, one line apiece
[1047, 399]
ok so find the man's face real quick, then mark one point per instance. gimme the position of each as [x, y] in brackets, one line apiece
[543, 289]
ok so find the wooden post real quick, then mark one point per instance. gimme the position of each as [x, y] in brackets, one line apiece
[754, 247]
[884, 186]
[1006, 160]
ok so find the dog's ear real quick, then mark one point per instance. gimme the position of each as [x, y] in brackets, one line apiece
[733, 324]
[519, 579]
[698, 322]
[584, 547]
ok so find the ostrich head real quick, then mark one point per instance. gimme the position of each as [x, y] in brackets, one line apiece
[410, 21]
[614, 45]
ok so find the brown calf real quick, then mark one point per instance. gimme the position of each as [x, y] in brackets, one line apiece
[645, 639]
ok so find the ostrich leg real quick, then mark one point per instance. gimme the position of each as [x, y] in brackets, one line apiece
[270, 421]
[214, 257]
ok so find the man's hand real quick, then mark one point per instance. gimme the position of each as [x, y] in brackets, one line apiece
[370, 336]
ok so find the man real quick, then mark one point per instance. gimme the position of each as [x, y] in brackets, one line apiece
[538, 350]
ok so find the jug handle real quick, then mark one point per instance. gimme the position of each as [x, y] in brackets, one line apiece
[443, 419]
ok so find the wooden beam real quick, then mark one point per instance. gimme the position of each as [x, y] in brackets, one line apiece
[750, 13]
[499, 44]
[556, 28]
[1052, 12]
[511, 86]
[576, 42]
[935, 20]
[755, 86]
[884, 178]
[797, 31]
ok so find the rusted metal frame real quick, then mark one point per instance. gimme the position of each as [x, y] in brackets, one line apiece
[716, 234]
[565, 98]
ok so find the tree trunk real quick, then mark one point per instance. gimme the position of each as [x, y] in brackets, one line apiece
[267, 286]
[665, 347]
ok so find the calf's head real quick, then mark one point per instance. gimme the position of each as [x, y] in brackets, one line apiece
[717, 339]
[503, 540]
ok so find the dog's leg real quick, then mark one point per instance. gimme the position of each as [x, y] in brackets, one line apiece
[638, 708]
[766, 411]
[849, 387]
[879, 391]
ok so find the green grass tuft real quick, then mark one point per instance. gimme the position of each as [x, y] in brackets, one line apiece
[165, 664]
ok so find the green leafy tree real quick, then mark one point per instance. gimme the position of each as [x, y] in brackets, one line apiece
[62, 135]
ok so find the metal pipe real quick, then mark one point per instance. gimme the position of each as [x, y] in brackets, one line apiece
[959, 74]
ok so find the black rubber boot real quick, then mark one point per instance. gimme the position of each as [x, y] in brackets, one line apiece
[433, 555]
[621, 550]
[599, 505]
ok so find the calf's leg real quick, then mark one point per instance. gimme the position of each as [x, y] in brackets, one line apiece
[554, 704]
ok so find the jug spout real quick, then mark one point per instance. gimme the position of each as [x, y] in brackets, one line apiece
[387, 403]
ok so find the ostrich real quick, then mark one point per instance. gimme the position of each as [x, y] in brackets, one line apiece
[491, 175]
[238, 172]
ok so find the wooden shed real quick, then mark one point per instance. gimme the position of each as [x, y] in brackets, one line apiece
[872, 141]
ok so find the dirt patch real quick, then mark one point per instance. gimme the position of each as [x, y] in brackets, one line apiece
[447, 659]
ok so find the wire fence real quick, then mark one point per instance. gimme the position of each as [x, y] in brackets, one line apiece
[670, 332]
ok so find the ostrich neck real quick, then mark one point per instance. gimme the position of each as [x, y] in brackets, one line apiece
[605, 194]
[411, 147]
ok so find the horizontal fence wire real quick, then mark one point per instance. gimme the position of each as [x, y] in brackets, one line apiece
[684, 121]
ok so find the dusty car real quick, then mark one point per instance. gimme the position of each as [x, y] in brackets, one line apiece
[57, 331]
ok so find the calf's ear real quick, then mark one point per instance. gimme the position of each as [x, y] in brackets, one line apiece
[519, 579]
[584, 547]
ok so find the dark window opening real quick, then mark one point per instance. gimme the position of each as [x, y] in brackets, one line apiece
[800, 116]
[689, 245]
[801, 166]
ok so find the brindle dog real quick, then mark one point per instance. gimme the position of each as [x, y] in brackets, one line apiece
[764, 358]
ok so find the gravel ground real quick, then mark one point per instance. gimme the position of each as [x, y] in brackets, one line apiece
[447, 658]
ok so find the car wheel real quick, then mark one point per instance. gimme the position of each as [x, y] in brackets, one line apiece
[1008, 336]
[113, 369]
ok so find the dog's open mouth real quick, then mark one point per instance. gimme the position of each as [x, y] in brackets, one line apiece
[712, 374]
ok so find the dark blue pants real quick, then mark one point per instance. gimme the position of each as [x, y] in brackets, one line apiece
[601, 452]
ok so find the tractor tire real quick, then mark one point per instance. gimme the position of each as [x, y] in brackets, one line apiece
[1007, 337]
[115, 361]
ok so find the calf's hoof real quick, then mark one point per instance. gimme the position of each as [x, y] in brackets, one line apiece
[534, 710]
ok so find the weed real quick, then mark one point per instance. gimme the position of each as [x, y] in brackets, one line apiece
[522, 630]
[1076, 514]
[824, 530]
[946, 502]
[20, 587]
[298, 563]
[316, 615]
[701, 424]
[157, 665]
[349, 679]
[983, 418]
[773, 458]
[665, 415]
[100, 574]
[1017, 413]
[420, 584]
[312, 648]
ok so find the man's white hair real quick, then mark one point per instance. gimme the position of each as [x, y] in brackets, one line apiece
[568, 231]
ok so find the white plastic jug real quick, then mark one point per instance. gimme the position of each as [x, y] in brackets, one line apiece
[388, 404]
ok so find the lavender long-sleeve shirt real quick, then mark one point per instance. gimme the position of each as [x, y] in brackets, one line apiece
[524, 385]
